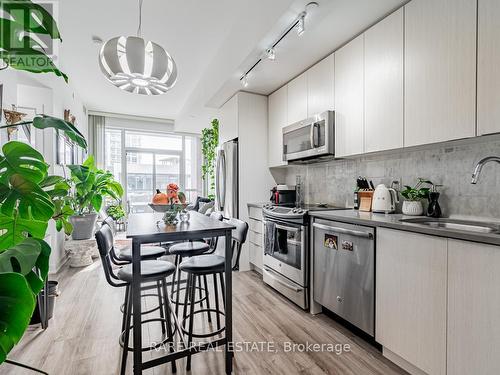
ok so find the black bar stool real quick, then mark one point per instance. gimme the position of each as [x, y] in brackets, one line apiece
[124, 256]
[189, 249]
[206, 265]
[152, 271]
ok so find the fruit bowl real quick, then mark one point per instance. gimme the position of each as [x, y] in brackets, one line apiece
[167, 207]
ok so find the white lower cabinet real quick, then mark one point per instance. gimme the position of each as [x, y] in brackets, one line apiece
[255, 238]
[473, 308]
[411, 298]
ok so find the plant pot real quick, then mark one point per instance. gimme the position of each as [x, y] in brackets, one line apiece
[53, 293]
[413, 208]
[83, 226]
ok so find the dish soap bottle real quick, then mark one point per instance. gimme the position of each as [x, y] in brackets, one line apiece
[434, 210]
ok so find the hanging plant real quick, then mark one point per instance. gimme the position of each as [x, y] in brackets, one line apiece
[209, 143]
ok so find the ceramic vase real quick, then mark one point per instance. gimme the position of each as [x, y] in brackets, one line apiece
[413, 208]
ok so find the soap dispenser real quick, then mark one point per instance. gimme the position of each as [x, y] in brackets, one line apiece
[434, 210]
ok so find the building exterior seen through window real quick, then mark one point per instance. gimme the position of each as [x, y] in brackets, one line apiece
[144, 162]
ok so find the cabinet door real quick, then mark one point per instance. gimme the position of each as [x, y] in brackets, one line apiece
[277, 120]
[349, 97]
[473, 308]
[320, 86]
[440, 70]
[384, 84]
[228, 124]
[297, 99]
[488, 61]
[411, 298]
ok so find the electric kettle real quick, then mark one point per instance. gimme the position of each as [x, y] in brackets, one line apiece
[384, 199]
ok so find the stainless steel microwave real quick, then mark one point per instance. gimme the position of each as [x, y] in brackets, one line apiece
[310, 138]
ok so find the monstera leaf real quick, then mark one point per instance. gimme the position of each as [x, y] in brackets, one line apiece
[17, 303]
[15, 230]
[24, 257]
[44, 122]
[21, 158]
[30, 200]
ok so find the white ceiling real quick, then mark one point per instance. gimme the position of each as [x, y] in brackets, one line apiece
[212, 41]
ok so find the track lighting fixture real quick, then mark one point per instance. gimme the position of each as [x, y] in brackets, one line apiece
[270, 53]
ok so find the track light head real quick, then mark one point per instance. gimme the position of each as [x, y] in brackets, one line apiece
[244, 81]
[271, 54]
[301, 24]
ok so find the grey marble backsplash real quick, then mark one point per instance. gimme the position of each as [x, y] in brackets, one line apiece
[449, 164]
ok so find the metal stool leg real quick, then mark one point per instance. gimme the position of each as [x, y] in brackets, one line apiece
[209, 315]
[216, 295]
[176, 262]
[192, 291]
[186, 297]
[223, 290]
[162, 315]
[200, 292]
[128, 312]
[168, 312]
[125, 304]
[178, 288]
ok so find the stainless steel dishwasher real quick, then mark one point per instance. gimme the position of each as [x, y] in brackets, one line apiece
[344, 270]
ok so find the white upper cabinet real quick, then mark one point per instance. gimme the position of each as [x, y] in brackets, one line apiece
[473, 308]
[440, 70]
[320, 87]
[297, 99]
[384, 84]
[278, 119]
[488, 72]
[228, 124]
[349, 98]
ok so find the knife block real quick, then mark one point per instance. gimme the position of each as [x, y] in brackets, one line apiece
[365, 200]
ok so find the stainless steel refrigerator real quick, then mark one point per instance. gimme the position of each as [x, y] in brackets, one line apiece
[226, 179]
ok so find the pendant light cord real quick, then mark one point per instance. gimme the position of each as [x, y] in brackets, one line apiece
[140, 19]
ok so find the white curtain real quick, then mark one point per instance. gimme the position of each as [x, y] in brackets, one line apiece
[97, 126]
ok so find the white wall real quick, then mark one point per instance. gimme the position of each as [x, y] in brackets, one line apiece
[49, 95]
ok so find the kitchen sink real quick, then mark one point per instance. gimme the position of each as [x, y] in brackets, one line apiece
[461, 225]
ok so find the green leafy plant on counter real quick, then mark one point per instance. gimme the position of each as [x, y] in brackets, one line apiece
[417, 193]
[24, 25]
[91, 186]
[116, 212]
[29, 199]
[209, 143]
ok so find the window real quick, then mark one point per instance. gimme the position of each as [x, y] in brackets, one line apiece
[146, 161]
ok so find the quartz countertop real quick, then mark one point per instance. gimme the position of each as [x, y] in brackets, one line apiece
[393, 221]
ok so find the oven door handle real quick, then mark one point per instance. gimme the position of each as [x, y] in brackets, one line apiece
[277, 277]
[356, 233]
[289, 229]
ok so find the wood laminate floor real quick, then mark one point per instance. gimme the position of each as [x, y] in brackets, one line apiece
[83, 335]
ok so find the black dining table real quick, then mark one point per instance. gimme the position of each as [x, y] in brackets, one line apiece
[147, 228]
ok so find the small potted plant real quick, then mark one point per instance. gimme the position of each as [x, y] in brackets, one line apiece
[413, 196]
[90, 186]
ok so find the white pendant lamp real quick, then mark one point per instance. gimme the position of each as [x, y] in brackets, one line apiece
[136, 65]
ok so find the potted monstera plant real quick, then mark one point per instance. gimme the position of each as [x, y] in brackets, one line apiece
[91, 186]
[29, 199]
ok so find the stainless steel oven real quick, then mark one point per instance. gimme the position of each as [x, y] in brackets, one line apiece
[310, 138]
[286, 259]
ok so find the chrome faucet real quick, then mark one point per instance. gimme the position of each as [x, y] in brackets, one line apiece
[479, 167]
